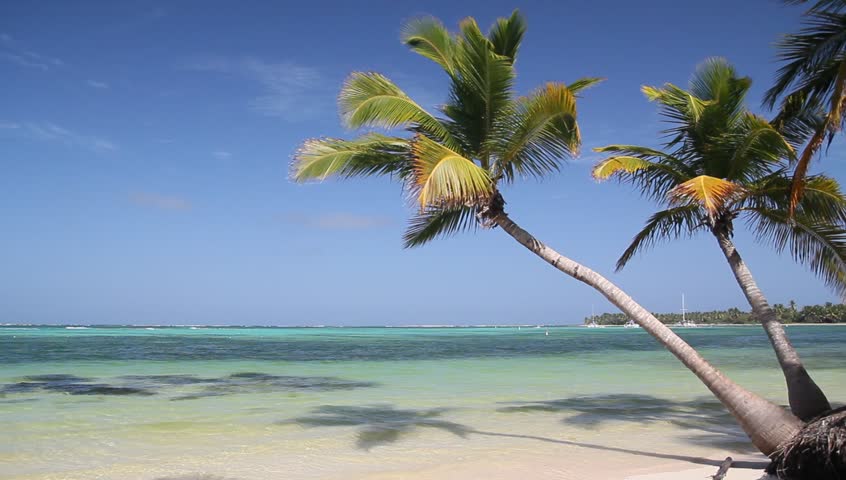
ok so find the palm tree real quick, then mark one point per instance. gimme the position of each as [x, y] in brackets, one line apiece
[813, 75]
[721, 162]
[453, 166]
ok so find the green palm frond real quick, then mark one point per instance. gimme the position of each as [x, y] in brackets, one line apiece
[372, 100]
[716, 80]
[820, 246]
[669, 224]
[823, 200]
[541, 133]
[757, 148]
[655, 177]
[812, 57]
[506, 35]
[798, 119]
[428, 37]
[481, 89]
[444, 178]
[371, 154]
[835, 5]
[436, 222]
[584, 84]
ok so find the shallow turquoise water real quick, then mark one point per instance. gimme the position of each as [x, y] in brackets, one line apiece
[315, 402]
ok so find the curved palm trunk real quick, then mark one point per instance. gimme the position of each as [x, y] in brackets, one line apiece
[767, 424]
[806, 399]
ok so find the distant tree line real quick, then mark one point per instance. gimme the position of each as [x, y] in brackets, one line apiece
[827, 313]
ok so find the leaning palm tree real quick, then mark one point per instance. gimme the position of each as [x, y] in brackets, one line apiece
[813, 75]
[453, 166]
[720, 163]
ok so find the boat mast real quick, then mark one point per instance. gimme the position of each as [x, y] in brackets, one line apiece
[683, 310]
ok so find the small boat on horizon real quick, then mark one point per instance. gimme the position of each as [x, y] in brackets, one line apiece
[684, 321]
[592, 323]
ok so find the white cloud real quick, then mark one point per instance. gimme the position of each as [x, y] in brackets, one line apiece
[159, 201]
[96, 84]
[50, 132]
[221, 154]
[10, 51]
[289, 90]
[336, 221]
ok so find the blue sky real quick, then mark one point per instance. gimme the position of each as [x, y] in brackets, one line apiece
[145, 151]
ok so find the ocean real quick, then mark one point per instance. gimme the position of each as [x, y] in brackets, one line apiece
[239, 403]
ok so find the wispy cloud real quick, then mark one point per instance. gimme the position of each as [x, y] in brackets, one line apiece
[97, 84]
[288, 90]
[221, 154]
[50, 132]
[159, 201]
[11, 51]
[335, 221]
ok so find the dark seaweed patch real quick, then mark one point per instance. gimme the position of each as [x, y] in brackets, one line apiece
[243, 382]
[96, 389]
[55, 378]
[68, 384]
[250, 382]
[169, 379]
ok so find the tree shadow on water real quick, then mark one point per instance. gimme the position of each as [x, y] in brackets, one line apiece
[378, 424]
[384, 424]
[712, 424]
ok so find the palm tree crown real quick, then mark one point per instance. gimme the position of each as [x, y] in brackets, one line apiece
[722, 162]
[813, 79]
[452, 163]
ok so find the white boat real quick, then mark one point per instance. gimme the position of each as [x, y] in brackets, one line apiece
[631, 324]
[684, 321]
[592, 323]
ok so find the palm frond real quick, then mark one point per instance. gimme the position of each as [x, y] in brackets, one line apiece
[481, 89]
[539, 135]
[506, 35]
[800, 171]
[655, 177]
[372, 100]
[444, 178]
[798, 119]
[820, 246]
[584, 84]
[667, 224]
[835, 5]
[437, 222]
[371, 154]
[716, 80]
[757, 148]
[615, 165]
[679, 106]
[428, 37]
[710, 193]
[813, 57]
[823, 200]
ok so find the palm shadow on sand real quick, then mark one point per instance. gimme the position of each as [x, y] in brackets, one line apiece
[708, 421]
[379, 425]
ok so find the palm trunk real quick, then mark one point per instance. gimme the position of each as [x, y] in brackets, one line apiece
[806, 399]
[767, 424]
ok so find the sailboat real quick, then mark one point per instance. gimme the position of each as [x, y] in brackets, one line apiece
[592, 323]
[684, 321]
